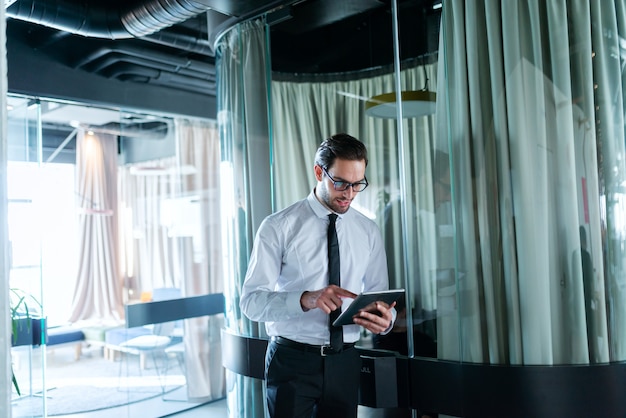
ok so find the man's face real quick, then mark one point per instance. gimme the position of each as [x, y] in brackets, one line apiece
[341, 170]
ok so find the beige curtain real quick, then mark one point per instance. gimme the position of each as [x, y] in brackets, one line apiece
[199, 147]
[170, 211]
[98, 292]
[147, 250]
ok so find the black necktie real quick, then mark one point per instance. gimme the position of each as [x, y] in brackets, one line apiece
[336, 333]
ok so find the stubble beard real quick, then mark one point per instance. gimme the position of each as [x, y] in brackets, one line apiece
[324, 195]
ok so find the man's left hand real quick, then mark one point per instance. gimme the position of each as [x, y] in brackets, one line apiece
[375, 321]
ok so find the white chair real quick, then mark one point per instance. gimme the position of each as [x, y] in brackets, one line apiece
[144, 345]
[151, 345]
[177, 351]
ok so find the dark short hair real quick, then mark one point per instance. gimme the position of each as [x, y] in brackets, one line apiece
[342, 146]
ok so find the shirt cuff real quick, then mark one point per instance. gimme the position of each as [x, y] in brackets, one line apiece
[293, 302]
[394, 314]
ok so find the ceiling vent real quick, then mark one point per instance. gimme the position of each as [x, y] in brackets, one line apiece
[102, 20]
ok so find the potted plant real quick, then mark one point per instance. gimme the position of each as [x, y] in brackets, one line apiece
[24, 309]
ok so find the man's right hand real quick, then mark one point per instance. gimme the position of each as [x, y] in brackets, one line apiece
[327, 299]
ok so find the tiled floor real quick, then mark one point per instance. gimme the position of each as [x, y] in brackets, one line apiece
[210, 410]
[157, 408]
[172, 405]
[215, 409]
[64, 371]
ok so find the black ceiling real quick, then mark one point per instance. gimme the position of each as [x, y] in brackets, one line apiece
[159, 53]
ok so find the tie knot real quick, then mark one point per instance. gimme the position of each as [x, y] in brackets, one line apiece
[332, 217]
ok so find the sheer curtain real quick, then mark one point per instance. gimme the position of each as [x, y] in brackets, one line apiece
[243, 64]
[201, 257]
[535, 124]
[306, 110]
[171, 238]
[149, 252]
[98, 291]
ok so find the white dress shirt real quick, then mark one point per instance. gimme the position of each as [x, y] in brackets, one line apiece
[290, 256]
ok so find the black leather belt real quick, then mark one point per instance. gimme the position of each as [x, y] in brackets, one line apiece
[322, 350]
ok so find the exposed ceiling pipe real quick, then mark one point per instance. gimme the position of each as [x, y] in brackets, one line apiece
[151, 130]
[151, 16]
[210, 90]
[128, 71]
[112, 60]
[171, 62]
[181, 41]
[100, 20]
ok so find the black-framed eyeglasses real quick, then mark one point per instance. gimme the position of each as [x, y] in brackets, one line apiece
[340, 186]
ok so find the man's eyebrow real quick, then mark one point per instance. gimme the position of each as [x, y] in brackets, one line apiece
[337, 178]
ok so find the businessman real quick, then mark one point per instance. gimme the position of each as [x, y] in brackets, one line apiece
[306, 260]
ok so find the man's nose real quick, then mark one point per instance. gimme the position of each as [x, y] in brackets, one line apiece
[349, 192]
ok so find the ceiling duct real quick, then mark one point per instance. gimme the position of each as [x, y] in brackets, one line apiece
[100, 58]
[154, 130]
[101, 19]
[181, 41]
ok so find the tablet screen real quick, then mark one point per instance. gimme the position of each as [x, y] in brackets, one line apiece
[366, 301]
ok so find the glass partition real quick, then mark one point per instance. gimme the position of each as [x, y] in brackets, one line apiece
[536, 132]
[417, 217]
[169, 190]
[28, 237]
[360, 101]
[107, 209]
[295, 106]
[242, 60]
[501, 210]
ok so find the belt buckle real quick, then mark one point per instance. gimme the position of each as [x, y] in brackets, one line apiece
[323, 348]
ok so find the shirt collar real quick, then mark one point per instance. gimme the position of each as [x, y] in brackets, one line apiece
[318, 208]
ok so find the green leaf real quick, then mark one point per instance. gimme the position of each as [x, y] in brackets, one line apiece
[15, 385]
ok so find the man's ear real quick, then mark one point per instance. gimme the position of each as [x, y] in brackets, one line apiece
[318, 172]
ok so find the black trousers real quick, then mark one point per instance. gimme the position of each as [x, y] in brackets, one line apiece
[306, 384]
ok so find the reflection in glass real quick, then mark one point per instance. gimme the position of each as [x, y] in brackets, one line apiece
[537, 149]
[340, 101]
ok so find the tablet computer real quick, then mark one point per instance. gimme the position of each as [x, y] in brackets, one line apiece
[365, 301]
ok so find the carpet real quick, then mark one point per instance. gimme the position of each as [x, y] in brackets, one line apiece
[92, 383]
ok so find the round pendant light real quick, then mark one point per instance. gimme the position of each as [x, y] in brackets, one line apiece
[415, 103]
